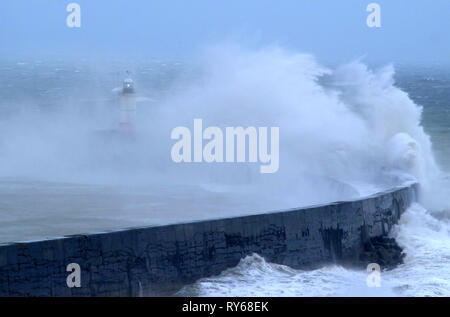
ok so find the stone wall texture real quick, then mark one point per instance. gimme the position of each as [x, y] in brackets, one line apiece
[158, 260]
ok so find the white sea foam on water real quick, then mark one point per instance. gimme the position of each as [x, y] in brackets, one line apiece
[255, 277]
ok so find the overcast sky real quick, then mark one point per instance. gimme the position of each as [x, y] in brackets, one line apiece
[333, 30]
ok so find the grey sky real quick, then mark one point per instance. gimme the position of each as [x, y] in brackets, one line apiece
[333, 30]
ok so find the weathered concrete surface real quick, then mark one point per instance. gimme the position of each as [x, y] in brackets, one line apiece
[151, 260]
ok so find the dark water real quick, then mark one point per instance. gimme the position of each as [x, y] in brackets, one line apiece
[430, 88]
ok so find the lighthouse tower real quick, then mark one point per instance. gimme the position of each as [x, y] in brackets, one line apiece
[127, 106]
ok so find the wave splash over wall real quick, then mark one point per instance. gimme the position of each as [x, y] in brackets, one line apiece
[345, 132]
[354, 124]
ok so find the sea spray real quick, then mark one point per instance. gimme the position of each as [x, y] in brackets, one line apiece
[344, 132]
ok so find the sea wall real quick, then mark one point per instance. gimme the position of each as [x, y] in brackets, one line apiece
[157, 260]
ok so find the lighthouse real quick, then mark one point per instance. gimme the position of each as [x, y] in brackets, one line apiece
[127, 106]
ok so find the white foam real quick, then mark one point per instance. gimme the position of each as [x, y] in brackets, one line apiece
[343, 131]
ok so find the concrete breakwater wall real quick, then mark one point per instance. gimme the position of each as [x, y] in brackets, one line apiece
[159, 259]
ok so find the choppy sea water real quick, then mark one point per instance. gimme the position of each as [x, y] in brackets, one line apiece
[424, 234]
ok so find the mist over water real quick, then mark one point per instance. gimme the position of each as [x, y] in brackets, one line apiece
[345, 132]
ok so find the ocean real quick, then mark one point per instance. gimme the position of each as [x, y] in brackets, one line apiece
[349, 131]
[423, 234]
